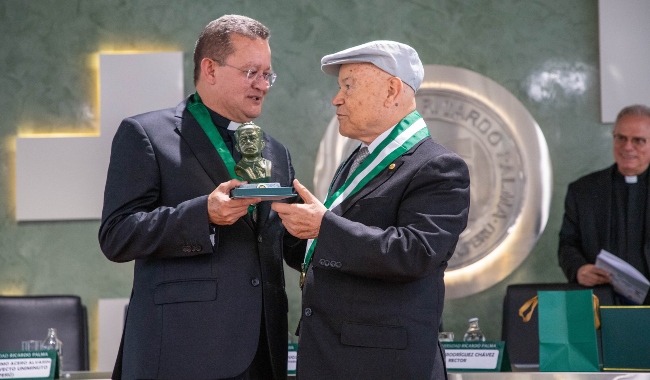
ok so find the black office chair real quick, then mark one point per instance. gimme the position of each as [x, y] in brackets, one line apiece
[522, 338]
[29, 317]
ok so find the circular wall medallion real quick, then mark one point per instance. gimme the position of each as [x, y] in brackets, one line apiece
[509, 164]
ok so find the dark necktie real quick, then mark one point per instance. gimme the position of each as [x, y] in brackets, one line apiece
[358, 159]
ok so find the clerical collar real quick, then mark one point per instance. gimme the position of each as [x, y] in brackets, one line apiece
[221, 121]
[632, 179]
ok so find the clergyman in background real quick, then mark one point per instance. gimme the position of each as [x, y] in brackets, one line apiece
[608, 209]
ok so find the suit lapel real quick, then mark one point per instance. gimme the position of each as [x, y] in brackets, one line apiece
[342, 172]
[200, 145]
[603, 221]
[379, 179]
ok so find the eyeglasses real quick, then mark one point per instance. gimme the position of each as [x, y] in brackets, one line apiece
[255, 75]
[637, 142]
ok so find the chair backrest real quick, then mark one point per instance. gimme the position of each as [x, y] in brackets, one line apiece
[522, 338]
[29, 317]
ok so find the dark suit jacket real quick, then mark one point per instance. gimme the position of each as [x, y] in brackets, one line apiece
[374, 293]
[195, 311]
[586, 228]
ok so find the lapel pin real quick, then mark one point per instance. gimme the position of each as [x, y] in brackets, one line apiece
[391, 166]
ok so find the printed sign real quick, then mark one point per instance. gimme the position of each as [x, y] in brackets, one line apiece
[478, 356]
[292, 358]
[28, 365]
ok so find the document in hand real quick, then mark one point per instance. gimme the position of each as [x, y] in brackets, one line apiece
[626, 280]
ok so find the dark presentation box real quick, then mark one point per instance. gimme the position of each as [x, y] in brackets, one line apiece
[625, 338]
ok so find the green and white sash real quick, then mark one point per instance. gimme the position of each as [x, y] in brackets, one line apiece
[407, 133]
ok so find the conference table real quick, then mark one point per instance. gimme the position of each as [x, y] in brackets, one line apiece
[461, 375]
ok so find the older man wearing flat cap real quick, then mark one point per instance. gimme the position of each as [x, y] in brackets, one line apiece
[373, 288]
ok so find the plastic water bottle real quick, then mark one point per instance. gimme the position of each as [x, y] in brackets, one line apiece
[52, 342]
[474, 333]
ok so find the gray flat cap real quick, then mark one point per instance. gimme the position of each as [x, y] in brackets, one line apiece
[395, 58]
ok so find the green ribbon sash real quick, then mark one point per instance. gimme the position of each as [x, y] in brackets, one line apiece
[408, 132]
[202, 116]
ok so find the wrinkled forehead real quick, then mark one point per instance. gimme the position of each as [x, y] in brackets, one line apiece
[633, 125]
[359, 67]
[360, 72]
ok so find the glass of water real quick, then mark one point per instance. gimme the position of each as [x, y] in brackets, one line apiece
[31, 345]
[446, 336]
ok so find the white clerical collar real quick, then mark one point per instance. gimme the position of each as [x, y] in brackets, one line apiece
[378, 139]
[233, 126]
[631, 179]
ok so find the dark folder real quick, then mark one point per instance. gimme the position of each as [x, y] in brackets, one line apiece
[625, 338]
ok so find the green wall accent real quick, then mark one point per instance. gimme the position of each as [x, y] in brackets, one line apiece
[46, 85]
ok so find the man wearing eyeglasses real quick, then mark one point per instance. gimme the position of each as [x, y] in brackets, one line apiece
[608, 209]
[208, 298]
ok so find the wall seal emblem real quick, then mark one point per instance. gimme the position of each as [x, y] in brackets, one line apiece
[510, 171]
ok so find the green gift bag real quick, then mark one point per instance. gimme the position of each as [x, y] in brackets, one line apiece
[567, 331]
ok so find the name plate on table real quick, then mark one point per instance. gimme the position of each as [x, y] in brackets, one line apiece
[29, 365]
[292, 358]
[476, 356]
